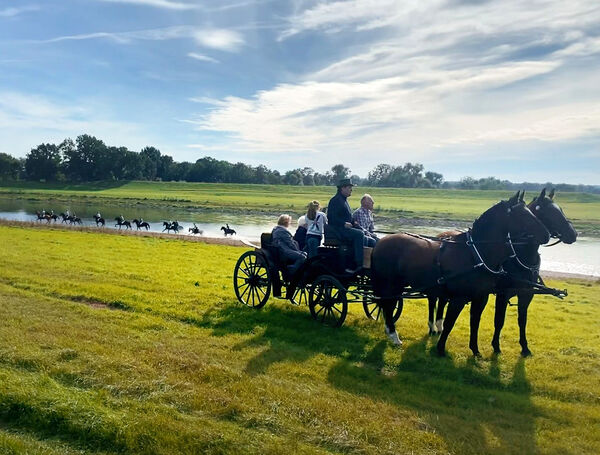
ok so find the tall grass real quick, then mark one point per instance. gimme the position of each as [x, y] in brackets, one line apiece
[108, 345]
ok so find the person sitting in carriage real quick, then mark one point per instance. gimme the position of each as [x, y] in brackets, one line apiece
[362, 218]
[287, 247]
[315, 228]
[300, 234]
[340, 223]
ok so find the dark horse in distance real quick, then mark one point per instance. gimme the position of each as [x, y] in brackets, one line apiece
[227, 230]
[141, 224]
[465, 270]
[122, 222]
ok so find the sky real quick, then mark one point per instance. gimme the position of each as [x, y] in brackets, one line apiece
[505, 88]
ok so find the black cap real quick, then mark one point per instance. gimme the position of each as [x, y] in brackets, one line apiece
[345, 182]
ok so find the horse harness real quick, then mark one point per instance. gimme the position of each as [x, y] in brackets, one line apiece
[537, 283]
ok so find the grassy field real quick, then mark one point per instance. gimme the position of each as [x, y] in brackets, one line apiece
[459, 205]
[107, 345]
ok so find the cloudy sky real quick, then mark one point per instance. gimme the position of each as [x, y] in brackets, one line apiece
[466, 87]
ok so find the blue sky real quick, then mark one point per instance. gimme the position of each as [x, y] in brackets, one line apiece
[478, 88]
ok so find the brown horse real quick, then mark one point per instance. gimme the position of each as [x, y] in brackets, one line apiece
[466, 270]
[524, 266]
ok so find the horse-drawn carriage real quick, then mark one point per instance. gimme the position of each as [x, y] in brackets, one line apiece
[467, 267]
[321, 282]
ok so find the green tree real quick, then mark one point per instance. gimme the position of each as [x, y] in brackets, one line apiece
[10, 167]
[43, 162]
[340, 172]
[435, 178]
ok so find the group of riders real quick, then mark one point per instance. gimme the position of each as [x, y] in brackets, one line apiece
[353, 228]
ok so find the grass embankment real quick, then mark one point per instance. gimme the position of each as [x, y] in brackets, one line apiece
[107, 345]
[416, 205]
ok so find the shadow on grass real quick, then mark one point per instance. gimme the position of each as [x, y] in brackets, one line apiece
[469, 406]
[290, 334]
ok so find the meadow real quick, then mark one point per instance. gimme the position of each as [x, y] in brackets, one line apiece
[120, 344]
[410, 204]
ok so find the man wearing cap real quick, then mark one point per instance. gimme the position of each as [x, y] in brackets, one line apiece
[339, 218]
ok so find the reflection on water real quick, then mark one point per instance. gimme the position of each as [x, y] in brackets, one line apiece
[583, 257]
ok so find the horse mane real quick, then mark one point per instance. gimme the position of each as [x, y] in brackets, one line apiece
[484, 219]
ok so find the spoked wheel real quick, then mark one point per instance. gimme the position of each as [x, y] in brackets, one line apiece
[327, 301]
[300, 296]
[252, 280]
[374, 311]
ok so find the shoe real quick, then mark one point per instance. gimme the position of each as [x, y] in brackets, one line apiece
[353, 271]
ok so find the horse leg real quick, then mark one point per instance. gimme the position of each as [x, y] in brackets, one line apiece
[430, 321]
[477, 306]
[454, 309]
[388, 305]
[499, 318]
[525, 299]
[439, 319]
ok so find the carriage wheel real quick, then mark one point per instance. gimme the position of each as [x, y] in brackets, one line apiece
[252, 280]
[300, 296]
[327, 301]
[374, 311]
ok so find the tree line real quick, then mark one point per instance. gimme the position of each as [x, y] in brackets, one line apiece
[89, 159]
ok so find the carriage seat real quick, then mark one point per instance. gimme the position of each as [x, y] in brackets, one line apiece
[278, 264]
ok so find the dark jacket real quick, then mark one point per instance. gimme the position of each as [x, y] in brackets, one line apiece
[282, 239]
[338, 211]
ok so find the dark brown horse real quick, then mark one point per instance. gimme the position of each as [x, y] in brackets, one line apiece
[466, 270]
[141, 224]
[523, 268]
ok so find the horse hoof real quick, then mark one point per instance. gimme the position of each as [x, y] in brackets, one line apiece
[526, 353]
[393, 336]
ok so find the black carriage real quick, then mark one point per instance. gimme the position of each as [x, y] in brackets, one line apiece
[321, 281]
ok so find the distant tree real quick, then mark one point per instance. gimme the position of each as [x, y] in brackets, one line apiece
[10, 167]
[293, 177]
[356, 179]
[86, 161]
[164, 168]
[339, 172]
[43, 162]
[379, 174]
[323, 179]
[467, 183]
[150, 157]
[435, 178]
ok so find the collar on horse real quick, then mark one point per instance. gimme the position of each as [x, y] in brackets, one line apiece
[479, 261]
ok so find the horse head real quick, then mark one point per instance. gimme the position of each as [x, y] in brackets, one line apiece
[553, 217]
[514, 218]
[523, 223]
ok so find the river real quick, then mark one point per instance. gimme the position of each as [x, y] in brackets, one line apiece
[583, 257]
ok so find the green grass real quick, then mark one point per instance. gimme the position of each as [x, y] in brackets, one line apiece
[107, 346]
[437, 204]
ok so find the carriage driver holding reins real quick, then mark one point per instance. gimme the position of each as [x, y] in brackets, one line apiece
[339, 216]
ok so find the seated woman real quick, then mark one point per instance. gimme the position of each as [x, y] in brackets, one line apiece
[288, 249]
[316, 226]
[300, 235]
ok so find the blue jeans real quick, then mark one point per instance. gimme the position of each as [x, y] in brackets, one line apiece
[312, 244]
[357, 238]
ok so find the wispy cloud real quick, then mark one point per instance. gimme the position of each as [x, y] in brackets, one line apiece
[213, 38]
[437, 78]
[202, 58]
[15, 11]
[221, 39]
[165, 4]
